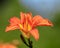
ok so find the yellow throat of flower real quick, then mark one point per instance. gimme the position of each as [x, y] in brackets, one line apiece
[25, 29]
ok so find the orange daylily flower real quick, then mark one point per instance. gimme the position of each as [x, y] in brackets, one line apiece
[7, 45]
[27, 24]
[13, 44]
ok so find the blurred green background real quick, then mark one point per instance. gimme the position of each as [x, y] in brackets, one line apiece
[49, 36]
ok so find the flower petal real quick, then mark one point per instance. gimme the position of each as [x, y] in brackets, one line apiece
[34, 33]
[27, 21]
[9, 46]
[22, 15]
[14, 21]
[45, 22]
[29, 17]
[11, 27]
[39, 21]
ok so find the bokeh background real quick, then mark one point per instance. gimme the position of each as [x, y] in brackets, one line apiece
[49, 36]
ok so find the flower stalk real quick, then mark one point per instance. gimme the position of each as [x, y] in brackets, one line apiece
[29, 44]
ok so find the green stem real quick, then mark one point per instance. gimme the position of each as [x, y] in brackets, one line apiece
[29, 44]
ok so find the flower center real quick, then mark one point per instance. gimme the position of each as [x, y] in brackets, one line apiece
[25, 27]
